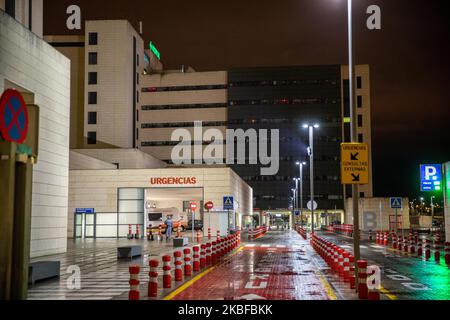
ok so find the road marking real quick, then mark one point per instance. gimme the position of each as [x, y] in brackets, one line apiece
[265, 245]
[177, 291]
[250, 245]
[387, 293]
[326, 285]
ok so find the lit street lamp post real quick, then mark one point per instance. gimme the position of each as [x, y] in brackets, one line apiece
[311, 168]
[301, 164]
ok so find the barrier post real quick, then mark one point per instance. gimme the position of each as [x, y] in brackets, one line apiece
[447, 253]
[218, 235]
[437, 251]
[196, 258]
[203, 256]
[346, 266]
[373, 294]
[362, 279]
[427, 250]
[153, 281]
[213, 257]
[419, 249]
[187, 262]
[133, 294]
[137, 236]
[178, 263]
[209, 233]
[167, 277]
[130, 232]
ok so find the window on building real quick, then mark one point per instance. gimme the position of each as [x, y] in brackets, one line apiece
[360, 120]
[137, 96]
[92, 78]
[359, 101]
[92, 97]
[137, 115]
[93, 38]
[358, 82]
[137, 61]
[92, 117]
[10, 7]
[92, 137]
[137, 78]
[92, 58]
[137, 134]
[360, 137]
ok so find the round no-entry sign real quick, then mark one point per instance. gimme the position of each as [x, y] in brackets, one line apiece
[13, 116]
[209, 205]
[193, 205]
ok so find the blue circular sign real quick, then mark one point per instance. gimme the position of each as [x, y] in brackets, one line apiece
[13, 116]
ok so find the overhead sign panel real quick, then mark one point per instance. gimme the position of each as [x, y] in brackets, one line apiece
[430, 177]
[354, 163]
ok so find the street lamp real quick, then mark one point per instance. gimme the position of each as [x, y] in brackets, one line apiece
[432, 210]
[301, 164]
[311, 167]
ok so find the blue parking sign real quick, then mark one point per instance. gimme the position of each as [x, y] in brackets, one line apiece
[228, 203]
[430, 177]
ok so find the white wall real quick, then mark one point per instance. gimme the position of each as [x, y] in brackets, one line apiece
[370, 208]
[28, 62]
[98, 188]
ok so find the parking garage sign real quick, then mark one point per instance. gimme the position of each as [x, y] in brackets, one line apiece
[228, 203]
[430, 177]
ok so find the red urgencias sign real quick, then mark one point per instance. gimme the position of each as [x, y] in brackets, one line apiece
[174, 180]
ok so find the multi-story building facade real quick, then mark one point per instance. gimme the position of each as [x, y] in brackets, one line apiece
[42, 75]
[174, 100]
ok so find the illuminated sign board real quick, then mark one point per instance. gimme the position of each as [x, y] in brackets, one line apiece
[174, 180]
[430, 177]
[155, 51]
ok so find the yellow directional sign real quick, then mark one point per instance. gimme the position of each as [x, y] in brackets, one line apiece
[354, 163]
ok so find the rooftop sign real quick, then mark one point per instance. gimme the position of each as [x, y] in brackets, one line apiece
[155, 51]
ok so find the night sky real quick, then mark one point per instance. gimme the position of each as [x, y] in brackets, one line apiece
[409, 59]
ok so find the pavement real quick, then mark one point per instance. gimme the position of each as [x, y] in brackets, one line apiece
[281, 265]
[404, 276]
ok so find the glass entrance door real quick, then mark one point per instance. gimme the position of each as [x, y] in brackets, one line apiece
[84, 225]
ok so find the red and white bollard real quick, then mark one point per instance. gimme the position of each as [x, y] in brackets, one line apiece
[213, 254]
[167, 277]
[209, 233]
[400, 243]
[412, 245]
[370, 235]
[202, 256]
[437, 251]
[218, 235]
[153, 279]
[373, 293]
[197, 237]
[130, 232]
[447, 253]
[346, 266]
[196, 258]
[405, 244]
[419, 249]
[137, 236]
[427, 250]
[394, 241]
[341, 262]
[187, 262]
[352, 272]
[386, 239]
[178, 263]
[133, 294]
[362, 279]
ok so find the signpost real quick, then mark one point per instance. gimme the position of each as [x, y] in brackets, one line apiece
[396, 203]
[354, 171]
[354, 163]
[208, 206]
[228, 204]
[193, 206]
[430, 177]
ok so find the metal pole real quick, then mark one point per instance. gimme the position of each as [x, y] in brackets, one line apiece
[301, 194]
[311, 174]
[396, 221]
[193, 223]
[432, 211]
[355, 191]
